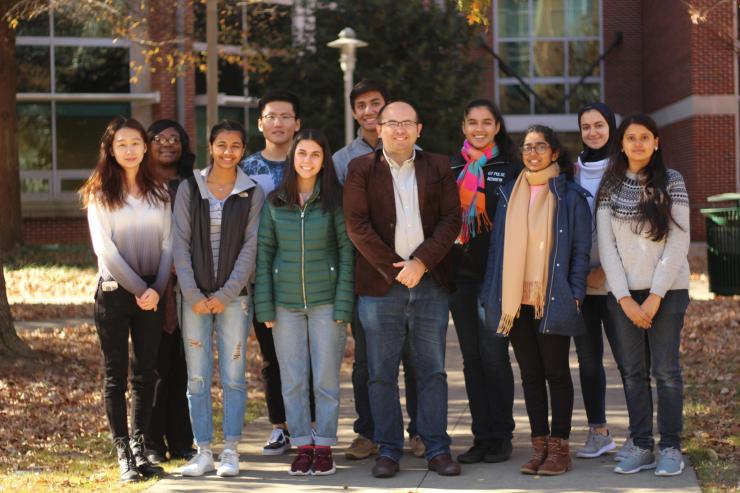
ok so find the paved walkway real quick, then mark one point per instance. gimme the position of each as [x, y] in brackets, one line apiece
[269, 474]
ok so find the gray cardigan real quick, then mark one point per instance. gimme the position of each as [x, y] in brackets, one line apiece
[243, 270]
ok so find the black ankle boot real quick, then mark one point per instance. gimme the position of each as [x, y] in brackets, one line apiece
[498, 451]
[145, 468]
[126, 463]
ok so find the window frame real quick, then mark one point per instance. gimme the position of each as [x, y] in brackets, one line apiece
[515, 121]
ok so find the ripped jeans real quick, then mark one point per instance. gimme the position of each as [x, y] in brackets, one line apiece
[232, 328]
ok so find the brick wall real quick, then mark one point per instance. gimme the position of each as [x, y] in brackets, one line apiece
[667, 38]
[57, 230]
[623, 67]
[163, 28]
[702, 149]
[712, 50]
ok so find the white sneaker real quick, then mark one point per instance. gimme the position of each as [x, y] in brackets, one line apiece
[229, 463]
[199, 465]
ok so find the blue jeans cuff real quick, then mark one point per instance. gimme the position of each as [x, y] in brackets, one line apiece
[301, 441]
[324, 441]
[394, 455]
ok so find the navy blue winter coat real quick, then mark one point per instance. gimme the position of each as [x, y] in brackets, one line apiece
[568, 265]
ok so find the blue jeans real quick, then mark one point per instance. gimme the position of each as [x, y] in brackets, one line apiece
[489, 380]
[310, 342]
[232, 327]
[418, 315]
[364, 425]
[654, 351]
[590, 350]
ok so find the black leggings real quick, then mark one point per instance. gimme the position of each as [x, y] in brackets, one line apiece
[117, 315]
[543, 362]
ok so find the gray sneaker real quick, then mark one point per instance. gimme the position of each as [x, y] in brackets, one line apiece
[670, 463]
[627, 449]
[638, 460]
[596, 445]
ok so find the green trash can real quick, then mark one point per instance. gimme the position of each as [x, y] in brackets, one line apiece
[723, 244]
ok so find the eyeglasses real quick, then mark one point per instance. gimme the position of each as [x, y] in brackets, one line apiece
[271, 118]
[407, 124]
[539, 148]
[162, 140]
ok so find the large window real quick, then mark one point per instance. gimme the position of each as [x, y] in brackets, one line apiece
[550, 44]
[67, 69]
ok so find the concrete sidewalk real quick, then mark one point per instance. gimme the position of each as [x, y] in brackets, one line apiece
[269, 474]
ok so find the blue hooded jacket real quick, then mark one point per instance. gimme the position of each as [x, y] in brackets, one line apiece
[568, 265]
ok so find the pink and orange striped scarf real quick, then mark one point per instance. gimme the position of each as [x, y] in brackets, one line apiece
[471, 185]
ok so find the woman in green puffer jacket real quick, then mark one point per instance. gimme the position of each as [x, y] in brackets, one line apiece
[304, 292]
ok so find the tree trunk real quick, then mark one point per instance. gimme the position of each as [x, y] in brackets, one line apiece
[10, 344]
[10, 212]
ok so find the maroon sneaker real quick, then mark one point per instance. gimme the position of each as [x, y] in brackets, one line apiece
[323, 463]
[301, 465]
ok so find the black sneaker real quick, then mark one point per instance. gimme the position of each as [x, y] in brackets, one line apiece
[145, 468]
[126, 463]
[474, 453]
[278, 443]
[498, 451]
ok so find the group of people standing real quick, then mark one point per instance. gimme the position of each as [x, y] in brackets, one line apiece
[519, 244]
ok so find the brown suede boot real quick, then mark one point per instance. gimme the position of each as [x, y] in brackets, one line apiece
[558, 457]
[538, 456]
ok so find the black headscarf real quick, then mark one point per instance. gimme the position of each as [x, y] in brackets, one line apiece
[187, 158]
[589, 155]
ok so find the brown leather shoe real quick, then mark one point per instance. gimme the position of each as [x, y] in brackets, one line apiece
[385, 467]
[443, 465]
[539, 444]
[558, 457]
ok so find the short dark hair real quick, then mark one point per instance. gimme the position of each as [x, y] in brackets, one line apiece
[280, 95]
[365, 86]
[388, 103]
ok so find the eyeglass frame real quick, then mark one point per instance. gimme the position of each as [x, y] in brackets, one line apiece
[271, 118]
[529, 149]
[171, 140]
[393, 124]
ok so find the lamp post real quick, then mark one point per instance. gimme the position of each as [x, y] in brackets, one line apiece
[347, 42]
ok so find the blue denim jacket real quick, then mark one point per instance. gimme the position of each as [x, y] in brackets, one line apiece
[568, 266]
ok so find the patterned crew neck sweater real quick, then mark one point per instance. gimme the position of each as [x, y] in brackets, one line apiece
[633, 261]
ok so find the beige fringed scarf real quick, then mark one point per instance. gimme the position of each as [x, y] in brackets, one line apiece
[527, 246]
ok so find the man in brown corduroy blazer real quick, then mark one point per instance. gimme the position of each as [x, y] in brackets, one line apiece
[402, 213]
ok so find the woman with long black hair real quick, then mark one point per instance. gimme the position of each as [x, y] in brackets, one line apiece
[169, 429]
[304, 293]
[488, 159]
[642, 222]
[130, 221]
[535, 283]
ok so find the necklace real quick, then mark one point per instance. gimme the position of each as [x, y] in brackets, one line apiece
[220, 187]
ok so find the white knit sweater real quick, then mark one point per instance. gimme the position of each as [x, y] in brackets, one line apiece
[633, 261]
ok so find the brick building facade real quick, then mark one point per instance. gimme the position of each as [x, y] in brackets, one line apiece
[684, 74]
